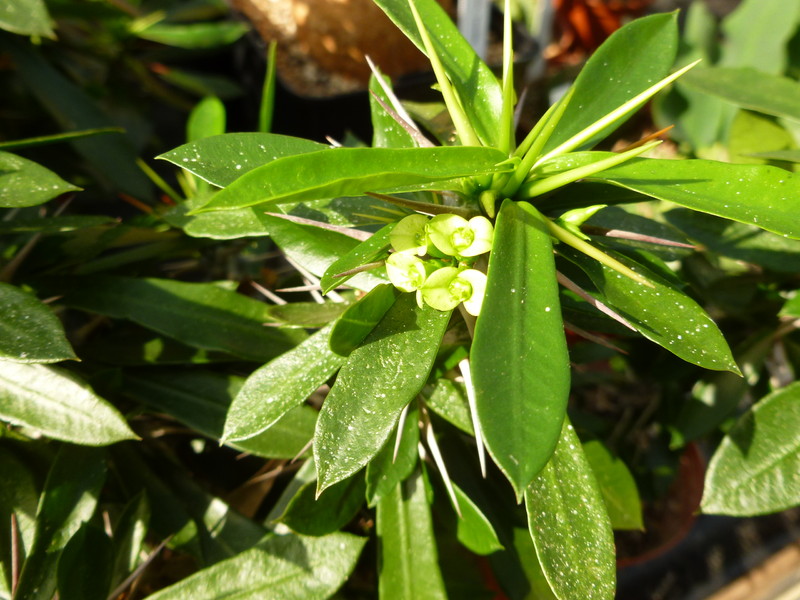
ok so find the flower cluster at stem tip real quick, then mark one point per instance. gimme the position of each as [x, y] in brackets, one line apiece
[434, 258]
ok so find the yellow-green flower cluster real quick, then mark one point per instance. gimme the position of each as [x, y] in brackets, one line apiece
[434, 257]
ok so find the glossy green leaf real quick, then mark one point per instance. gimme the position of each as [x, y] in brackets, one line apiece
[69, 500]
[280, 385]
[84, 568]
[352, 172]
[474, 530]
[448, 399]
[202, 315]
[361, 318]
[29, 331]
[737, 240]
[289, 567]
[520, 365]
[610, 78]
[617, 486]
[19, 497]
[222, 159]
[749, 88]
[26, 17]
[228, 225]
[569, 525]
[477, 86]
[309, 315]
[759, 195]
[378, 380]
[408, 567]
[26, 183]
[751, 133]
[59, 405]
[386, 470]
[195, 35]
[201, 399]
[370, 250]
[386, 132]
[112, 158]
[754, 470]
[660, 313]
[334, 509]
[206, 119]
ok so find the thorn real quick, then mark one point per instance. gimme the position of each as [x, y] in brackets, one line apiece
[473, 409]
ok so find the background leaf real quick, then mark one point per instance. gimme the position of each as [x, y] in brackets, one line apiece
[59, 405]
[26, 183]
[26, 17]
[754, 470]
[617, 486]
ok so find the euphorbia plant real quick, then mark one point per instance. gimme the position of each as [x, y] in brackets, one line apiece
[435, 306]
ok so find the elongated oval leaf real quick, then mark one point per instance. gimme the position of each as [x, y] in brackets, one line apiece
[352, 172]
[334, 509]
[520, 365]
[754, 470]
[202, 315]
[26, 17]
[610, 78]
[617, 486]
[570, 527]
[29, 331]
[221, 159]
[361, 318]
[19, 496]
[473, 529]
[409, 569]
[370, 250]
[379, 379]
[281, 385]
[26, 183]
[195, 35]
[660, 313]
[288, 567]
[84, 568]
[58, 405]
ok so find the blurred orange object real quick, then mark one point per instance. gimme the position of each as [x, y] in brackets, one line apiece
[582, 25]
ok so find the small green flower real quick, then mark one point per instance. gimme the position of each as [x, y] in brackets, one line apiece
[448, 287]
[406, 271]
[410, 236]
[455, 236]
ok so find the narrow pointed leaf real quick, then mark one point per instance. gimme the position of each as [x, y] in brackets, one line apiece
[386, 470]
[280, 385]
[660, 313]
[29, 331]
[520, 365]
[570, 527]
[222, 159]
[59, 405]
[335, 508]
[473, 529]
[379, 379]
[26, 183]
[84, 568]
[352, 172]
[477, 86]
[617, 486]
[361, 318]
[409, 569]
[290, 567]
[19, 496]
[370, 250]
[754, 470]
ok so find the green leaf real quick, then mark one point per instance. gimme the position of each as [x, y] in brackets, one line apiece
[207, 119]
[29, 331]
[53, 225]
[386, 132]
[18, 497]
[228, 225]
[370, 250]
[201, 83]
[448, 399]
[792, 156]
[520, 365]
[759, 195]
[44, 140]
[408, 567]
[385, 471]
[202, 315]
[59, 405]
[754, 470]
[334, 509]
[746, 87]
[26, 183]
[361, 318]
[617, 486]
[222, 159]
[752, 133]
[68, 501]
[112, 158]
[84, 569]
[195, 35]
[379, 379]
[309, 315]
[792, 306]
[474, 530]
[289, 567]
[26, 17]
[569, 525]
[129, 535]
[659, 312]
[610, 78]
[201, 399]
[280, 385]
[352, 172]
[477, 86]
